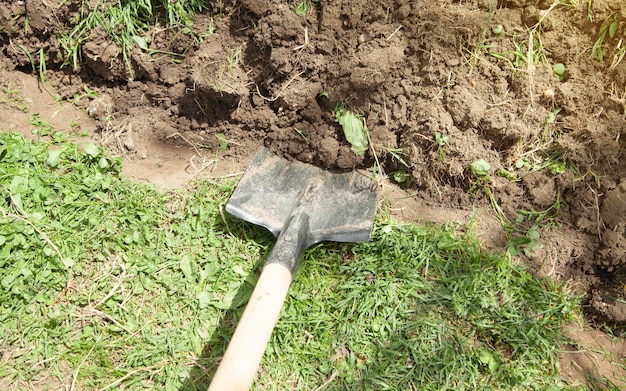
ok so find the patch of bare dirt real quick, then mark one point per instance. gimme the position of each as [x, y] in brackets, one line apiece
[448, 82]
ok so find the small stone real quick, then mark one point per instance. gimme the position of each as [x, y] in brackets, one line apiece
[101, 107]
[129, 143]
[548, 93]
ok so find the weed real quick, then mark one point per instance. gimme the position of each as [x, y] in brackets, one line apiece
[526, 240]
[441, 139]
[608, 27]
[397, 154]
[556, 167]
[234, 57]
[354, 129]
[305, 137]
[401, 175]
[608, 31]
[42, 67]
[522, 50]
[549, 131]
[527, 243]
[13, 96]
[26, 23]
[42, 127]
[480, 168]
[523, 233]
[302, 9]
[559, 71]
[222, 141]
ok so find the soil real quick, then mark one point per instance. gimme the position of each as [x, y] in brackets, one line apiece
[434, 81]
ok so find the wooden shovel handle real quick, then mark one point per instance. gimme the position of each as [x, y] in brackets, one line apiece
[245, 350]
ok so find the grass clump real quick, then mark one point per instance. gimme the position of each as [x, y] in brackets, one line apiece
[126, 24]
[107, 284]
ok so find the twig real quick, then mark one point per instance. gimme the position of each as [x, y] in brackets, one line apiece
[327, 382]
[531, 65]
[35, 365]
[129, 374]
[394, 32]
[114, 289]
[597, 205]
[306, 40]
[380, 168]
[109, 317]
[187, 141]
[198, 171]
[424, 137]
[279, 92]
[224, 219]
[229, 175]
[385, 111]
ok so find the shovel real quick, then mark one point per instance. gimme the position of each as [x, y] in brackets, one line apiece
[301, 205]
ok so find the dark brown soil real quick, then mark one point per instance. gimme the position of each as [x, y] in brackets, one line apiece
[416, 71]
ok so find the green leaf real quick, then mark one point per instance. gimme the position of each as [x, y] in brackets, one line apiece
[613, 27]
[54, 157]
[401, 176]
[103, 163]
[142, 42]
[480, 168]
[68, 262]
[92, 150]
[533, 233]
[19, 184]
[488, 359]
[186, 265]
[203, 299]
[239, 270]
[237, 295]
[354, 129]
[36, 216]
[558, 69]
[16, 199]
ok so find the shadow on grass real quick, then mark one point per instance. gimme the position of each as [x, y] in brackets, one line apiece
[413, 308]
[205, 367]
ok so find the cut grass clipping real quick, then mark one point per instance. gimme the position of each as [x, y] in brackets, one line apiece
[107, 284]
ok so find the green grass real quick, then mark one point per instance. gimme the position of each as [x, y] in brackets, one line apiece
[108, 284]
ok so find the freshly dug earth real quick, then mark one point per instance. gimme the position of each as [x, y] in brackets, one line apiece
[439, 84]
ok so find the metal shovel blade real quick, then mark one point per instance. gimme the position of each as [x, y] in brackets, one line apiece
[340, 207]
